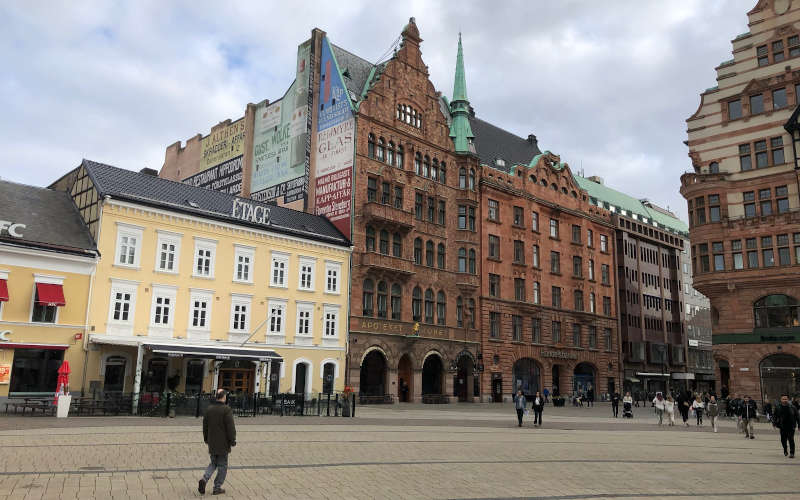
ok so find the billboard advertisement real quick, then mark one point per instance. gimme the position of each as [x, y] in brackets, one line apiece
[335, 144]
[281, 139]
[221, 160]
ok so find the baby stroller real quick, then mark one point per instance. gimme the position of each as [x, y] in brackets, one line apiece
[627, 410]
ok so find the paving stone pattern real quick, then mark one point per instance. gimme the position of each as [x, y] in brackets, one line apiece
[457, 451]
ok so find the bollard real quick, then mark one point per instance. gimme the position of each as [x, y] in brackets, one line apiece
[319, 406]
[336, 406]
[282, 400]
[353, 412]
[197, 407]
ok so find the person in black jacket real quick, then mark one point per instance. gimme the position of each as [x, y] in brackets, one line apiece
[615, 404]
[538, 406]
[786, 418]
[219, 433]
[749, 412]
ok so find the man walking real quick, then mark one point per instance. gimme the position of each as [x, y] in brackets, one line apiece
[219, 432]
[712, 410]
[786, 418]
[519, 405]
[615, 404]
[546, 393]
[748, 413]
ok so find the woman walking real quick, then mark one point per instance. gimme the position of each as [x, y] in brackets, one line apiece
[713, 412]
[658, 402]
[669, 409]
[683, 407]
[538, 406]
[519, 404]
[698, 407]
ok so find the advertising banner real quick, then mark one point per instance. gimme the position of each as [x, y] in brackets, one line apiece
[226, 177]
[5, 373]
[281, 139]
[221, 160]
[335, 145]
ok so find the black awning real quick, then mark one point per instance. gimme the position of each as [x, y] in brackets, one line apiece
[213, 352]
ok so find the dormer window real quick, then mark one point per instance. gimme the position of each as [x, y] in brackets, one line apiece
[409, 115]
[500, 162]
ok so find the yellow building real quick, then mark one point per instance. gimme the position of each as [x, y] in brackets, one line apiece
[47, 260]
[197, 290]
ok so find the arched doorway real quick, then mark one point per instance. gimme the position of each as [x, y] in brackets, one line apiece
[464, 385]
[780, 374]
[555, 372]
[405, 381]
[432, 371]
[373, 374]
[583, 378]
[328, 374]
[114, 377]
[527, 377]
[195, 370]
[300, 377]
[724, 378]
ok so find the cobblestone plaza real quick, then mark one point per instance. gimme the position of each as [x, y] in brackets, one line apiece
[406, 451]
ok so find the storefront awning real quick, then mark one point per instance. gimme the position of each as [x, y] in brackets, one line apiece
[48, 294]
[20, 345]
[215, 352]
[634, 380]
[683, 376]
[647, 374]
[3, 291]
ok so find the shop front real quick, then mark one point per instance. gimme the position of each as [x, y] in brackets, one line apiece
[30, 369]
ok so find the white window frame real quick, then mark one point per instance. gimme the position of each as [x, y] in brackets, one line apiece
[309, 262]
[592, 302]
[204, 244]
[604, 243]
[279, 257]
[337, 268]
[591, 269]
[168, 237]
[306, 338]
[129, 230]
[331, 340]
[200, 332]
[164, 291]
[239, 299]
[121, 327]
[279, 336]
[246, 252]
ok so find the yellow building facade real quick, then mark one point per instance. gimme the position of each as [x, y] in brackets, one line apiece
[47, 263]
[197, 290]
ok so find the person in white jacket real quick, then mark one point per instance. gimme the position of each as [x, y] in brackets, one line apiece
[669, 409]
[658, 401]
[698, 407]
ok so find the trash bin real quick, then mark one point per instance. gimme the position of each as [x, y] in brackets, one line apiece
[62, 410]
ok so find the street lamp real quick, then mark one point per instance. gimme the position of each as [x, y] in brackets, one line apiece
[792, 126]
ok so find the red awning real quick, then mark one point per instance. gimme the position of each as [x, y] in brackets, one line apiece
[3, 291]
[50, 295]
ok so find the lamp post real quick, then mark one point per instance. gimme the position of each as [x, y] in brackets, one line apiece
[792, 126]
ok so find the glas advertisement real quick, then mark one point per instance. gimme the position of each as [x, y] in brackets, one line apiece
[281, 139]
[221, 161]
[335, 146]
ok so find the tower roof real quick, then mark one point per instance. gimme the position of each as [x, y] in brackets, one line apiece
[460, 82]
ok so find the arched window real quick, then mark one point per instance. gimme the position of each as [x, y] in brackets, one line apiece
[371, 146]
[443, 173]
[383, 292]
[426, 167]
[416, 304]
[441, 308]
[429, 253]
[532, 178]
[368, 292]
[554, 187]
[471, 179]
[418, 251]
[397, 301]
[397, 245]
[435, 170]
[440, 257]
[390, 153]
[418, 163]
[384, 242]
[380, 154]
[713, 167]
[459, 312]
[370, 239]
[398, 159]
[428, 306]
[471, 313]
[472, 265]
[462, 260]
[776, 311]
[462, 178]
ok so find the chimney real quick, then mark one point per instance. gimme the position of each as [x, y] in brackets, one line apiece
[532, 140]
[596, 179]
[149, 171]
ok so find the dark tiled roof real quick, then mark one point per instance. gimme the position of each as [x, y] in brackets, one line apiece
[357, 68]
[50, 217]
[155, 191]
[492, 142]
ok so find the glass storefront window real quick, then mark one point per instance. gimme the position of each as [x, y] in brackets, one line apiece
[35, 370]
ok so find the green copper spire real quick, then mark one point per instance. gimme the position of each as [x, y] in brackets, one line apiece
[460, 130]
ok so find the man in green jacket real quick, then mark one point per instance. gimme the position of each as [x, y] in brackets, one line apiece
[219, 432]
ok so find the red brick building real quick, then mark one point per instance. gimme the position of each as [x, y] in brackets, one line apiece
[744, 209]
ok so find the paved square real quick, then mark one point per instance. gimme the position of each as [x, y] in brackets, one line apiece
[455, 451]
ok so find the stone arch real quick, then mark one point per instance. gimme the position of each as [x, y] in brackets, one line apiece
[371, 348]
[779, 373]
[309, 375]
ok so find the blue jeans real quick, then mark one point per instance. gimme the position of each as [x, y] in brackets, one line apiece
[220, 463]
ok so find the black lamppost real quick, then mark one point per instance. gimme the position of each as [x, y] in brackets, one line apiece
[792, 126]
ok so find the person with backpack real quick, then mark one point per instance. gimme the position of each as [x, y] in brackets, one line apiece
[749, 412]
[786, 418]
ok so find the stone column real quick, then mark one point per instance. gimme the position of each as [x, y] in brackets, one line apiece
[417, 386]
[215, 380]
[449, 386]
[268, 377]
[391, 384]
[137, 378]
[257, 384]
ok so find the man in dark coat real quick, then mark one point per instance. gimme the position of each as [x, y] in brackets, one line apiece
[219, 432]
[786, 418]
[615, 404]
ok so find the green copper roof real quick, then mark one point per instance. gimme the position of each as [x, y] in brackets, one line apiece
[460, 129]
[604, 194]
[460, 83]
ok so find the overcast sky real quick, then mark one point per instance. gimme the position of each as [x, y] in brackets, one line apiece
[606, 85]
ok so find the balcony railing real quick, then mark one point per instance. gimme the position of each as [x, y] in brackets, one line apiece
[387, 215]
[468, 281]
[387, 264]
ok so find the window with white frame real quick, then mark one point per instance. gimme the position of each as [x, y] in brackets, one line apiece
[204, 254]
[305, 322]
[168, 251]
[162, 309]
[129, 244]
[240, 313]
[306, 279]
[243, 261]
[277, 317]
[331, 320]
[122, 305]
[200, 310]
[332, 273]
[279, 267]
